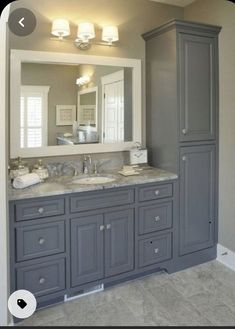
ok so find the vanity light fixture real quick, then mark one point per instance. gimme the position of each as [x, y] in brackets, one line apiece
[85, 33]
[83, 80]
[110, 34]
[60, 28]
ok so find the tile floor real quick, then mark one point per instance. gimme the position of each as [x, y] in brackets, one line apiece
[200, 296]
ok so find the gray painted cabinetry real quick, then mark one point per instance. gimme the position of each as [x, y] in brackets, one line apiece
[182, 125]
[90, 238]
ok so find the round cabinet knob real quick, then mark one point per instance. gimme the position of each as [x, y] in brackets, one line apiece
[156, 251]
[108, 226]
[41, 241]
[42, 280]
[157, 193]
[184, 158]
[157, 219]
[102, 227]
[184, 131]
[41, 210]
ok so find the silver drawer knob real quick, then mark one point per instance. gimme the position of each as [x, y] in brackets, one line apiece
[102, 227]
[108, 226]
[42, 280]
[156, 251]
[184, 131]
[157, 219]
[184, 158]
[157, 192]
[41, 210]
[41, 241]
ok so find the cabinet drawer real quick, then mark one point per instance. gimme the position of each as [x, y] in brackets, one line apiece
[155, 217]
[154, 250]
[42, 279]
[155, 192]
[39, 209]
[101, 200]
[39, 240]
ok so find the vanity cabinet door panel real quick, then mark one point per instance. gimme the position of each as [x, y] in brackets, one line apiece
[33, 241]
[87, 248]
[197, 198]
[101, 199]
[42, 279]
[197, 88]
[119, 242]
[27, 210]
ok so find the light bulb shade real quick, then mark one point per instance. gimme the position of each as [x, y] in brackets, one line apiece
[60, 27]
[86, 31]
[83, 80]
[110, 34]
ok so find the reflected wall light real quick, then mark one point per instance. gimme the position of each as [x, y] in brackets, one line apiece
[83, 80]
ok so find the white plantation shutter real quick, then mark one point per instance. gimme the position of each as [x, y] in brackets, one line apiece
[33, 116]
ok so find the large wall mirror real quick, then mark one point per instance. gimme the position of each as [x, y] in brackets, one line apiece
[65, 104]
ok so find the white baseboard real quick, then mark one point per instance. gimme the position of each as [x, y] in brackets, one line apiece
[226, 256]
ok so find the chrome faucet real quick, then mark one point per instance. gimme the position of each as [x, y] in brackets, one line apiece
[86, 159]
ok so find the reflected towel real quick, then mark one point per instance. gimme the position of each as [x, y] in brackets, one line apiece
[26, 180]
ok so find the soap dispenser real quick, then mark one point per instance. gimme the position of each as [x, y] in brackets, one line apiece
[18, 167]
[41, 170]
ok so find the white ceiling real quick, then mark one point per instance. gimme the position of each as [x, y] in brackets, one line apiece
[181, 3]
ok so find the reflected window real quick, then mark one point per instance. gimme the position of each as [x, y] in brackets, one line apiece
[33, 116]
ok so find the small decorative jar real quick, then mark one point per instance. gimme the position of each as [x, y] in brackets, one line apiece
[18, 168]
[41, 170]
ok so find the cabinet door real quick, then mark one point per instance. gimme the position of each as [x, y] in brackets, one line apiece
[119, 242]
[197, 88]
[197, 198]
[87, 247]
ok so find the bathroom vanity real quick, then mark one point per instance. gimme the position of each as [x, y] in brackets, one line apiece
[66, 238]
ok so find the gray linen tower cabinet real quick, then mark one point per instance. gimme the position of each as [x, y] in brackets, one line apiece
[182, 126]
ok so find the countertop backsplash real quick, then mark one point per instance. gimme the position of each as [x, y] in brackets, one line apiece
[65, 166]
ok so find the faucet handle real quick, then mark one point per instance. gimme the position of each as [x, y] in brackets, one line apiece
[95, 168]
[89, 158]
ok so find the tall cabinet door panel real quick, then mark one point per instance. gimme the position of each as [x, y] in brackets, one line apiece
[87, 248]
[197, 198]
[197, 88]
[119, 242]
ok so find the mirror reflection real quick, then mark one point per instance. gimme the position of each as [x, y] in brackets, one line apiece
[75, 104]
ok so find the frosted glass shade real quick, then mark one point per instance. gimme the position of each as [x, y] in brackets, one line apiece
[83, 80]
[110, 34]
[60, 27]
[86, 31]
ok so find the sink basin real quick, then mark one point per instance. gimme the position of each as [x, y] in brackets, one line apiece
[94, 180]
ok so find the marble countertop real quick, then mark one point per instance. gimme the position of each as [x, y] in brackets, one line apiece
[65, 184]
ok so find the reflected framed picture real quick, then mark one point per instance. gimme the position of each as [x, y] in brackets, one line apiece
[87, 114]
[65, 115]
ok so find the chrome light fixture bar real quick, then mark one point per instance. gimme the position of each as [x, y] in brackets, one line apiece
[85, 33]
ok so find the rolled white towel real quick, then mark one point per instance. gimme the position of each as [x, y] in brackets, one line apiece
[26, 181]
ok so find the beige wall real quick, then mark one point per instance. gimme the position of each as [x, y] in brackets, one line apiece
[221, 12]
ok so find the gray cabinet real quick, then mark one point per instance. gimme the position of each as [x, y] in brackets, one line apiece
[182, 120]
[119, 242]
[87, 248]
[197, 198]
[101, 241]
[197, 87]
[76, 250]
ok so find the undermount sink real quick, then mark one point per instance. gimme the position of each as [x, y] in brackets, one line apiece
[94, 180]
